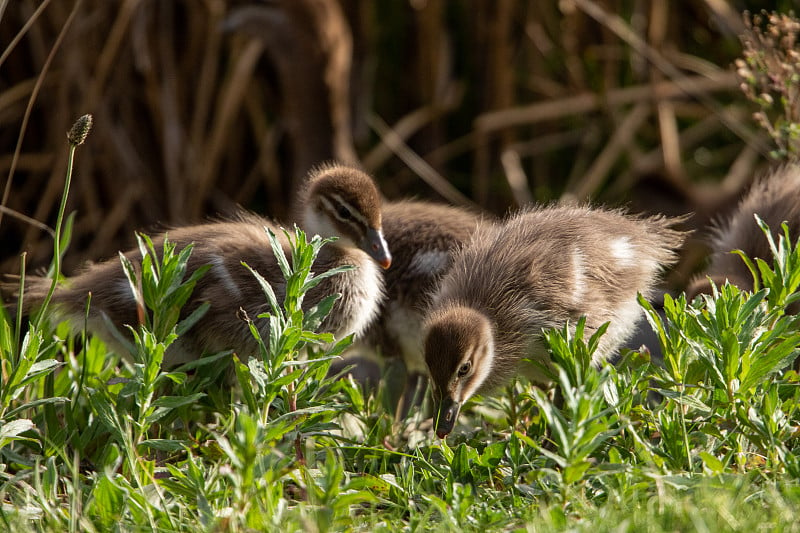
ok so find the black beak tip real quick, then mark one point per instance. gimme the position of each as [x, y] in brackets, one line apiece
[443, 432]
[448, 413]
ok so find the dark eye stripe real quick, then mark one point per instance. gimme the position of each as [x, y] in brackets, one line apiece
[343, 213]
[340, 202]
[332, 209]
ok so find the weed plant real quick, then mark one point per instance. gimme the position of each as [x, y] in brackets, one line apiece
[769, 70]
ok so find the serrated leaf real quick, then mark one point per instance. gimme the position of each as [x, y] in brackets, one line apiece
[41, 367]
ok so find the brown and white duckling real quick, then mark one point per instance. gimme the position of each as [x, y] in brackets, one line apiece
[423, 237]
[775, 198]
[543, 267]
[337, 201]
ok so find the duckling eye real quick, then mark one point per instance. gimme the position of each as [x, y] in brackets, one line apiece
[343, 212]
[463, 370]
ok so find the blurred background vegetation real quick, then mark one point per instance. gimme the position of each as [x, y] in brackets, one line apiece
[201, 106]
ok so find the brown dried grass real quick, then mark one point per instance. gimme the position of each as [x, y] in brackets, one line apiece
[204, 105]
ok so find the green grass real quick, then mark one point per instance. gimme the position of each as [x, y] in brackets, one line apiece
[708, 441]
[89, 441]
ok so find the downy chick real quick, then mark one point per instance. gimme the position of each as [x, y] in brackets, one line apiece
[540, 269]
[337, 201]
[775, 198]
[423, 237]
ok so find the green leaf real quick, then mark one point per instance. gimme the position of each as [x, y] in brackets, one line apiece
[313, 282]
[266, 289]
[13, 428]
[777, 358]
[107, 502]
[34, 404]
[493, 454]
[280, 256]
[712, 463]
[133, 281]
[574, 472]
[187, 323]
[165, 445]
[460, 464]
[39, 369]
[173, 402]
[243, 375]
[685, 399]
[315, 315]
[108, 416]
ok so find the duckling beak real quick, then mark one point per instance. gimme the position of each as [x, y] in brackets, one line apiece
[375, 245]
[448, 413]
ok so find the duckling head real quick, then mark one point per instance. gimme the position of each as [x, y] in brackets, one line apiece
[459, 352]
[343, 202]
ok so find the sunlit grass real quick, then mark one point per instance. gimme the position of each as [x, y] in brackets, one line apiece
[136, 446]
[93, 441]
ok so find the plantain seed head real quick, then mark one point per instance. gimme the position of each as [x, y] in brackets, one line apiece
[78, 132]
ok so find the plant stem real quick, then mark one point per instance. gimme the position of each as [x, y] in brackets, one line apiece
[18, 319]
[57, 240]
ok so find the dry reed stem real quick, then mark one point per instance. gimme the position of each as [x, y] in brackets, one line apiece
[170, 116]
[229, 102]
[420, 167]
[613, 149]
[34, 93]
[515, 176]
[489, 122]
[21, 33]
[623, 31]
[688, 86]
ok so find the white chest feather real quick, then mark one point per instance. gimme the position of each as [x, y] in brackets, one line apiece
[429, 263]
[622, 250]
[362, 293]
